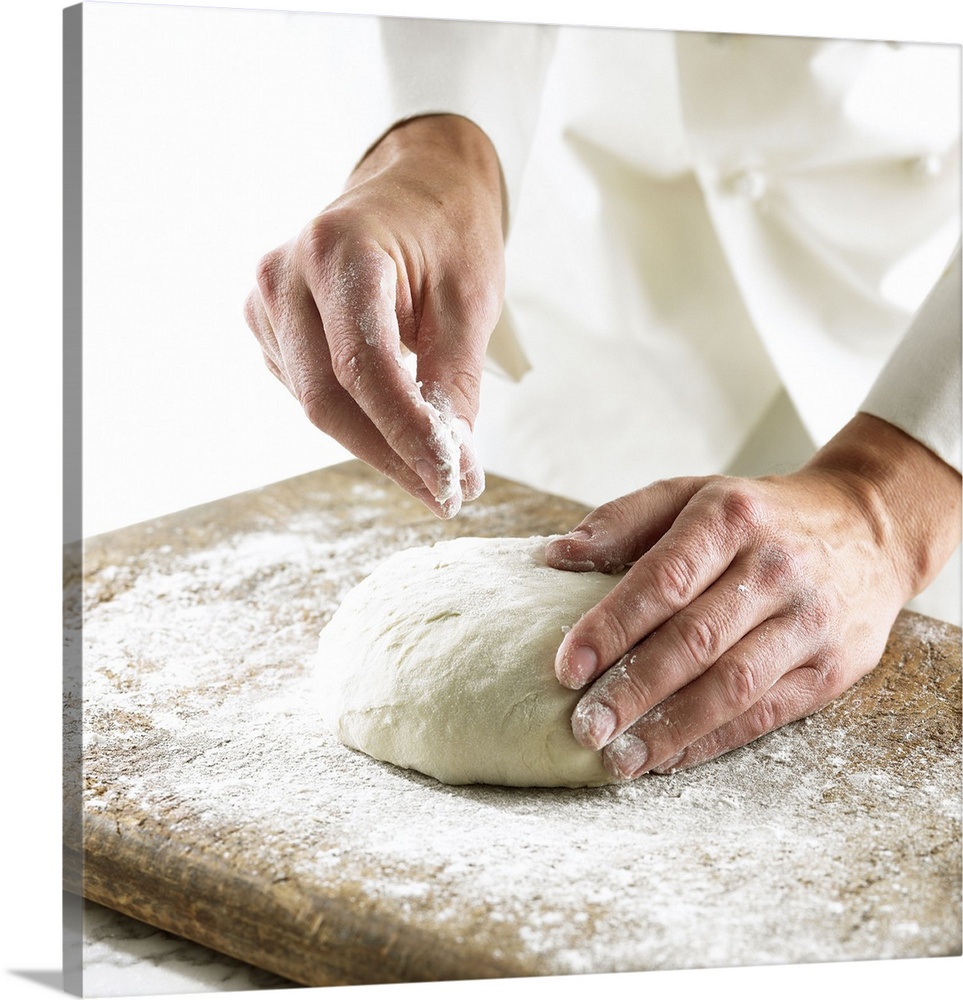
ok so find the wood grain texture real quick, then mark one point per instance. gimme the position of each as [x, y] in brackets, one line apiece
[213, 807]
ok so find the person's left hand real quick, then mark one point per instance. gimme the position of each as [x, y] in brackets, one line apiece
[749, 603]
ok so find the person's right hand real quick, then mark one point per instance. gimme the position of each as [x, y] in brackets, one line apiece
[411, 254]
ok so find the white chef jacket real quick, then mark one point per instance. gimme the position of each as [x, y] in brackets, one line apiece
[716, 243]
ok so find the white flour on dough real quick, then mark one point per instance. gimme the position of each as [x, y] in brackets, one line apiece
[442, 660]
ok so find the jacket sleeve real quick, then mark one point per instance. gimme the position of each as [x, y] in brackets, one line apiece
[492, 73]
[919, 389]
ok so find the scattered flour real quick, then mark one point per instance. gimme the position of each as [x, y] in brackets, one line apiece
[199, 726]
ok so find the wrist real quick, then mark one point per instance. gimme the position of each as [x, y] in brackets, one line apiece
[910, 498]
[435, 148]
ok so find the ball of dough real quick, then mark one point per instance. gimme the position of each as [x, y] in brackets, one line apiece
[442, 660]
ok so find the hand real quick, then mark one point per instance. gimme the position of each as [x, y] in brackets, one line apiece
[749, 603]
[410, 255]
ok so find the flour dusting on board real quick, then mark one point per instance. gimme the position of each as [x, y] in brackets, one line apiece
[831, 839]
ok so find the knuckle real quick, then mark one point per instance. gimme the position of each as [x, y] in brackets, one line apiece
[741, 679]
[336, 258]
[316, 409]
[700, 637]
[815, 614]
[347, 362]
[740, 507]
[778, 567]
[827, 674]
[764, 716]
[674, 575]
[268, 275]
[317, 239]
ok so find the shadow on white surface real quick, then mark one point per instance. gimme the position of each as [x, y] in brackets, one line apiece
[125, 957]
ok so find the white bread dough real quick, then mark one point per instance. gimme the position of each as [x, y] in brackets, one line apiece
[442, 660]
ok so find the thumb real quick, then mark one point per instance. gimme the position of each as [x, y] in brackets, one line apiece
[616, 534]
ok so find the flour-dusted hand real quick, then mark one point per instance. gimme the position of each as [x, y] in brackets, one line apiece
[749, 603]
[411, 255]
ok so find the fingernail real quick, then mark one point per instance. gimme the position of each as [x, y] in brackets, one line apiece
[593, 724]
[577, 668]
[445, 510]
[472, 473]
[473, 485]
[450, 506]
[560, 555]
[429, 475]
[570, 565]
[626, 756]
[579, 533]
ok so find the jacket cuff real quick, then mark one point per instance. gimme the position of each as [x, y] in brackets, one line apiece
[919, 389]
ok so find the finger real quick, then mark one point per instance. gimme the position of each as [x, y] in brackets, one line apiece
[331, 409]
[692, 642]
[357, 307]
[436, 392]
[800, 693]
[724, 693]
[326, 402]
[303, 364]
[699, 546]
[259, 324]
[305, 361]
[614, 535]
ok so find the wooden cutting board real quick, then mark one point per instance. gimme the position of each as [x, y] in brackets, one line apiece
[209, 801]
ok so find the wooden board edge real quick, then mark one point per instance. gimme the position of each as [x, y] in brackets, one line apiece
[298, 934]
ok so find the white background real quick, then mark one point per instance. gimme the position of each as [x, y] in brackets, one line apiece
[170, 370]
[210, 137]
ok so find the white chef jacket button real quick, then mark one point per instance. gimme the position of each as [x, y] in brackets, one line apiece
[925, 167]
[749, 183]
